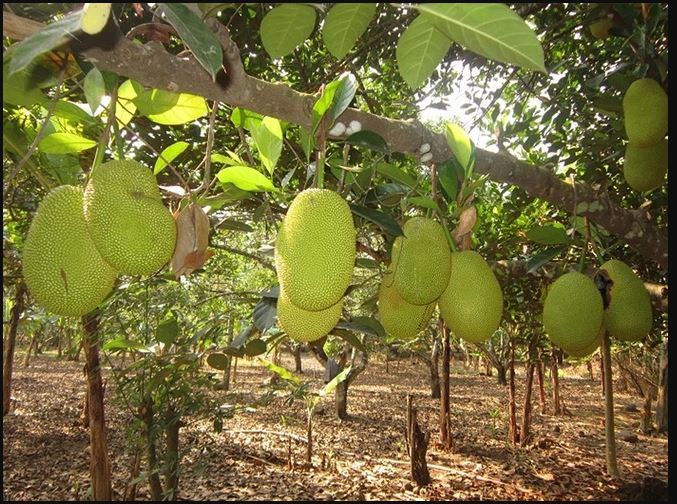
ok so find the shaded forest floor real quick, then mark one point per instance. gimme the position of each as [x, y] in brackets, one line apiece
[45, 446]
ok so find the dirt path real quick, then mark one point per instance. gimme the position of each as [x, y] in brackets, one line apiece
[45, 452]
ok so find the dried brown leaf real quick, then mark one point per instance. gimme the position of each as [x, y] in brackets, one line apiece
[192, 239]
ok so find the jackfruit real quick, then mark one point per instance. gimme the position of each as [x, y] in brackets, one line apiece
[421, 261]
[305, 326]
[594, 345]
[645, 106]
[629, 316]
[130, 226]
[573, 312]
[472, 303]
[644, 168]
[401, 320]
[63, 269]
[315, 249]
[94, 17]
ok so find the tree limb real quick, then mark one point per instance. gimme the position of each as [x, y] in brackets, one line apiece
[152, 66]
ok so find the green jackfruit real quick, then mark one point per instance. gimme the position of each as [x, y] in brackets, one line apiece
[472, 303]
[315, 249]
[401, 320]
[573, 312]
[645, 106]
[629, 316]
[131, 227]
[594, 345]
[63, 269]
[644, 168]
[421, 261]
[302, 325]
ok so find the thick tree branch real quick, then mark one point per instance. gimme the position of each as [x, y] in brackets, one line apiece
[152, 66]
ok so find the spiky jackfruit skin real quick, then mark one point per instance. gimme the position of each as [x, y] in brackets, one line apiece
[315, 249]
[472, 303]
[421, 261]
[63, 269]
[131, 227]
[629, 316]
[645, 107]
[644, 168]
[303, 325]
[573, 312]
[402, 320]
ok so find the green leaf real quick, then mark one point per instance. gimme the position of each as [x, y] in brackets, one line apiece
[307, 142]
[268, 140]
[548, 235]
[125, 108]
[167, 331]
[343, 25]
[419, 50]
[281, 372]
[543, 257]
[71, 112]
[447, 175]
[196, 35]
[365, 262]
[323, 104]
[234, 225]
[255, 347]
[396, 173]
[168, 155]
[370, 140]
[424, 202]
[247, 119]
[345, 92]
[94, 88]
[383, 220]
[492, 30]
[120, 344]
[460, 144]
[50, 37]
[285, 27]
[333, 383]
[218, 361]
[64, 143]
[20, 89]
[164, 107]
[388, 194]
[246, 178]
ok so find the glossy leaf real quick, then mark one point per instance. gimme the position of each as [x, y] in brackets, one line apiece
[64, 143]
[369, 140]
[460, 144]
[255, 347]
[419, 50]
[334, 382]
[125, 108]
[343, 25]
[281, 372]
[168, 155]
[167, 331]
[94, 88]
[218, 361]
[423, 202]
[285, 27]
[491, 30]
[548, 235]
[396, 173]
[246, 178]
[268, 140]
[264, 314]
[164, 107]
[544, 257]
[196, 35]
[383, 220]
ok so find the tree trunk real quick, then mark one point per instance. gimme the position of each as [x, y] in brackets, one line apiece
[555, 387]
[589, 365]
[342, 400]
[611, 465]
[662, 399]
[513, 431]
[84, 416]
[297, 359]
[601, 374]
[489, 367]
[501, 371]
[309, 435]
[34, 342]
[526, 415]
[10, 345]
[153, 478]
[445, 417]
[645, 423]
[234, 373]
[434, 370]
[99, 463]
[417, 443]
[541, 386]
[58, 343]
[172, 456]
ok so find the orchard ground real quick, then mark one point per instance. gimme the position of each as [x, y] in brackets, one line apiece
[46, 454]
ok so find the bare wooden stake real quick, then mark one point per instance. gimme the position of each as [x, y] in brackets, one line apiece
[418, 446]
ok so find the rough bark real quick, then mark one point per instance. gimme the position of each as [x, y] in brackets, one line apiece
[525, 433]
[541, 386]
[99, 463]
[147, 416]
[309, 436]
[31, 348]
[501, 371]
[611, 465]
[297, 359]
[645, 424]
[10, 345]
[589, 366]
[172, 456]
[557, 405]
[513, 431]
[341, 397]
[417, 444]
[445, 417]
[151, 65]
[662, 394]
[435, 392]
